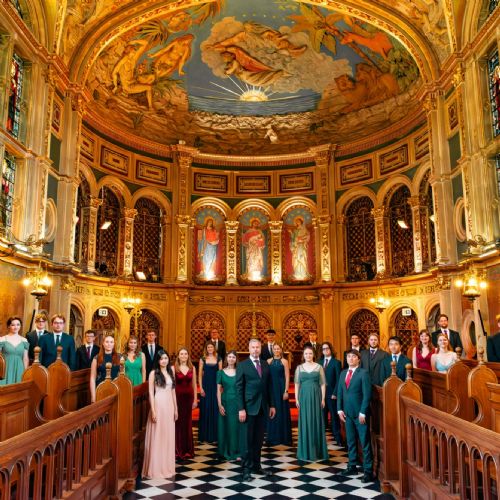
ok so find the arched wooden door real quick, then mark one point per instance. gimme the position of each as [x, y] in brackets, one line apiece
[406, 328]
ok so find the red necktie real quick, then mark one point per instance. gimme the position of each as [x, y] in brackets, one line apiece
[259, 368]
[348, 378]
[326, 362]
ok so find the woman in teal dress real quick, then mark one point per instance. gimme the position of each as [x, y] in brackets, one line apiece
[229, 428]
[15, 351]
[135, 362]
[310, 389]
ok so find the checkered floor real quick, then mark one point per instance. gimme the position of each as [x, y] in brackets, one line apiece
[205, 477]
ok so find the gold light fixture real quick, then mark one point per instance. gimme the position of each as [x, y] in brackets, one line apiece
[132, 305]
[39, 281]
[472, 283]
[380, 302]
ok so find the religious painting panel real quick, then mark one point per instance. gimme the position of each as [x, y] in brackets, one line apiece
[146, 322]
[252, 324]
[254, 243]
[296, 329]
[406, 328]
[200, 331]
[363, 322]
[209, 252]
[298, 247]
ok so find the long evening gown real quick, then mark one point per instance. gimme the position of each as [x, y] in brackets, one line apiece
[14, 361]
[209, 410]
[311, 446]
[279, 428]
[184, 446]
[423, 362]
[133, 370]
[229, 427]
[159, 443]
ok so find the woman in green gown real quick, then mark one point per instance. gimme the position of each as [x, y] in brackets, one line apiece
[229, 427]
[135, 362]
[310, 389]
[15, 351]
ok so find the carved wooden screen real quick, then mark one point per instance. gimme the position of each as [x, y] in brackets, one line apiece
[406, 328]
[245, 328]
[148, 321]
[76, 325]
[81, 201]
[107, 239]
[295, 325]
[105, 325]
[360, 237]
[401, 239]
[200, 330]
[431, 227]
[147, 239]
[363, 322]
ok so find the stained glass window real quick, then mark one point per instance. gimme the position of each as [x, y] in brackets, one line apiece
[7, 193]
[15, 95]
[494, 87]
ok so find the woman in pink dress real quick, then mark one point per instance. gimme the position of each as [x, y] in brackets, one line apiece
[423, 352]
[159, 446]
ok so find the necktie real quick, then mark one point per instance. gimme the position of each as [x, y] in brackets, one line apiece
[394, 358]
[446, 333]
[58, 340]
[259, 368]
[151, 351]
[348, 378]
[372, 353]
[217, 345]
[39, 334]
[88, 351]
[326, 362]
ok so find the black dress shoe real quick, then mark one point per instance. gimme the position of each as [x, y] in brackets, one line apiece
[367, 478]
[246, 477]
[262, 472]
[350, 471]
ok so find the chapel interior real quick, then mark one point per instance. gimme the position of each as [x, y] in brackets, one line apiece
[340, 160]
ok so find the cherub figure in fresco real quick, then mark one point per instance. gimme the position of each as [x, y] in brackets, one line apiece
[124, 72]
[172, 57]
[208, 243]
[299, 241]
[254, 242]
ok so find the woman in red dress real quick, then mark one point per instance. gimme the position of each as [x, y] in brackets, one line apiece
[423, 351]
[185, 389]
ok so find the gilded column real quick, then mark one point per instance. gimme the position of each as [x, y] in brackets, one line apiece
[323, 222]
[416, 203]
[231, 228]
[340, 248]
[276, 228]
[88, 235]
[326, 301]
[183, 223]
[380, 219]
[166, 236]
[126, 241]
[179, 337]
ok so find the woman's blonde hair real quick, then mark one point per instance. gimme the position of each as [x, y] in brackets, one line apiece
[178, 363]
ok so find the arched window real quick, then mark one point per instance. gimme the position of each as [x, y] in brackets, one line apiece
[147, 239]
[201, 325]
[363, 322]
[494, 90]
[400, 222]
[107, 244]
[360, 236]
[7, 194]
[82, 199]
[147, 321]
[15, 95]
[406, 328]
[426, 213]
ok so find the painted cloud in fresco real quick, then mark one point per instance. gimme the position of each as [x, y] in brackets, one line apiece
[264, 56]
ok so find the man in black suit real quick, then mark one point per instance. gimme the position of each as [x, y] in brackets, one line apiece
[353, 405]
[86, 352]
[150, 350]
[316, 347]
[453, 336]
[255, 404]
[395, 355]
[267, 348]
[34, 336]
[49, 343]
[220, 346]
[355, 344]
[493, 344]
[371, 359]
[332, 368]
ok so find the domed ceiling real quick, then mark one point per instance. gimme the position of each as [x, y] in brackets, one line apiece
[253, 77]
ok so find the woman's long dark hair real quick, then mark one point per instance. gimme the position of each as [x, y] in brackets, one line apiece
[160, 380]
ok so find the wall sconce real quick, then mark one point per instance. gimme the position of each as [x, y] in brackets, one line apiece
[472, 283]
[39, 281]
[380, 302]
[402, 224]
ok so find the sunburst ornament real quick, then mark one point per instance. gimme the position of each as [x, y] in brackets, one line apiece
[254, 95]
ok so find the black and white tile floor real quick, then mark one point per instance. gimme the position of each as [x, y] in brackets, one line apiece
[205, 477]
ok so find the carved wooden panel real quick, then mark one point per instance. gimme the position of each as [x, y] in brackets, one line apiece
[248, 322]
[200, 329]
[406, 327]
[82, 200]
[295, 325]
[107, 243]
[363, 322]
[148, 321]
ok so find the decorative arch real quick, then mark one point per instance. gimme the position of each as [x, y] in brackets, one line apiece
[105, 325]
[255, 204]
[349, 196]
[118, 187]
[251, 324]
[152, 194]
[296, 328]
[201, 325]
[406, 328]
[220, 205]
[363, 322]
[76, 323]
[432, 313]
[295, 202]
[391, 185]
[84, 172]
[147, 321]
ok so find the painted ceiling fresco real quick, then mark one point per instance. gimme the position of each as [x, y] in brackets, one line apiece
[254, 77]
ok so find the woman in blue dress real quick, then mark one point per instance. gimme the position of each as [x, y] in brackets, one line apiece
[98, 367]
[444, 357]
[207, 379]
[279, 428]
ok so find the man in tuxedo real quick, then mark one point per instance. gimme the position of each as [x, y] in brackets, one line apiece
[49, 343]
[150, 350]
[267, 348]
[34, 336]
[86, 352]
[355, 344]
[332, 368]
[493, 344]
[395, 355]
[371, 359]
[453, 336]
[316, 347]
[255, 404]
[353, 405]
[220, 346]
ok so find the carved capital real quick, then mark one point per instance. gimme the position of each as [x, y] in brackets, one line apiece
[94, 202]
[341, 219]
[231, 225]
[326, 295]
[181, 296]
[129, 213]
[324, 220]
[417, 201]
[276, 226]
[183, 220]
[378, 213]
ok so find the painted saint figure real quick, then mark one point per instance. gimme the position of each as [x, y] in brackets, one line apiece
[254, 242]
[299, 241]
[208, 242]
